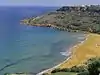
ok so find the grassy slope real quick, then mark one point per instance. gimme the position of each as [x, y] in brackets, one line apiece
[73, 20]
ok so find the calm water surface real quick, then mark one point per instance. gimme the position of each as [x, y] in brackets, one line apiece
[30, 49]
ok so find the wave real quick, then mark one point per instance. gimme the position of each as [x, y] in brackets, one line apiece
[65, 53]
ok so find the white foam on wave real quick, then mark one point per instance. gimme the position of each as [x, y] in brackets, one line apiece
[81, 38]
[67, 53]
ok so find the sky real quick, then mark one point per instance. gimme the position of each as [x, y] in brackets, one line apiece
[46, 2]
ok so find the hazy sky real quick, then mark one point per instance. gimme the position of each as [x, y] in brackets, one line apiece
[47, 2]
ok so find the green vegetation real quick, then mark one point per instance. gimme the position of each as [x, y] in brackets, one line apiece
[70, 18]
[72, 69]
[91, 67]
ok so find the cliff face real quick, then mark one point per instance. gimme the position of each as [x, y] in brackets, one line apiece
[70, 18]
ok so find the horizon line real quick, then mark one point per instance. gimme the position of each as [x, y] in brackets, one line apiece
[48, 5]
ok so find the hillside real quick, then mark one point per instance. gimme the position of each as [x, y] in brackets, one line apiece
[70, 18]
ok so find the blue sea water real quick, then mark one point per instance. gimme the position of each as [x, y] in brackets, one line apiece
[30, 49]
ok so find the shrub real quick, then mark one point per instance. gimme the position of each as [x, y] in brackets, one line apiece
[45, 74]
[56, 70]
[65, 70]
[93, 65]
[78, 69]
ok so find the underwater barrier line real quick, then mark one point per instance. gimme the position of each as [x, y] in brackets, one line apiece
[16, 62]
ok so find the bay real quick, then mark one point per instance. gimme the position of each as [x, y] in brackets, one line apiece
[30, 49]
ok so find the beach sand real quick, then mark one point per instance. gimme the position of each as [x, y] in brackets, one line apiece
[83, 51]
[88, 48]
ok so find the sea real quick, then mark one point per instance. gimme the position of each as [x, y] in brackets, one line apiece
[31, 49]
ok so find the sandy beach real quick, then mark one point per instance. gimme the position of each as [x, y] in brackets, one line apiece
[83, 51]
[88, 48]
[69, 56]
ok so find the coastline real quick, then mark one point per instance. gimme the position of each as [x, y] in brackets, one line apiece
[71, 52]
[72, 49]
[50, 69]
[83, 51]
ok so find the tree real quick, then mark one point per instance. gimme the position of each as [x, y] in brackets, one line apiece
[93, 65]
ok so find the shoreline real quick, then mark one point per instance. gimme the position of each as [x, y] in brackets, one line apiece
[72, 49]
[83, 51]
[50, 69]
[71, 52]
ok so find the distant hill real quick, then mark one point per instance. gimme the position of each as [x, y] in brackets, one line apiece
[70, 18]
